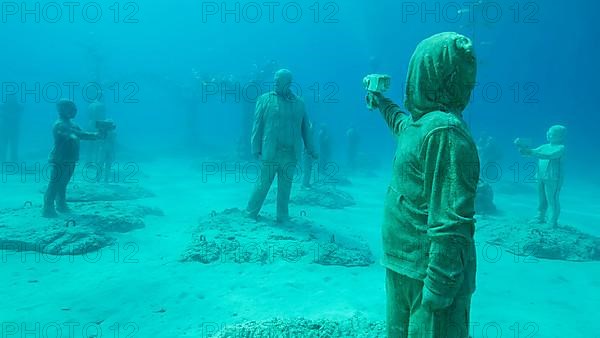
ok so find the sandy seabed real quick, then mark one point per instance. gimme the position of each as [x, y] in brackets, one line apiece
[139, 285]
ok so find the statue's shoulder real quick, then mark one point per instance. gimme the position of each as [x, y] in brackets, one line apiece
[267, 96]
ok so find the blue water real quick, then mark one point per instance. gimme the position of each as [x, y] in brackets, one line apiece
[537, 67]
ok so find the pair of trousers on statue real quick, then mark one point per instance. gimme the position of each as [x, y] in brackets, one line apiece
[407, 318]
[60, 175]
[549, 191]
[284, 171]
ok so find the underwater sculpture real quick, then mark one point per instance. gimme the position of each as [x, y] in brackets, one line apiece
[428, 228]
[102, 151]
[280, 125]
[490, 156]
[10, 123]
[107, 150]
[64, 157]
[307, 160]
[550, 174]
[489, 152]
[96, 111]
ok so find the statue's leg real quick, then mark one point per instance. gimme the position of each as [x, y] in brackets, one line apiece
[400, 292]
[50, 195]
[61, 195]
[266, 176]
[552, 196]
[285, 179]
[542, 203]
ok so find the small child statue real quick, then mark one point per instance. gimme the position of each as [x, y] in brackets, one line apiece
[64, 157]
[550, 173]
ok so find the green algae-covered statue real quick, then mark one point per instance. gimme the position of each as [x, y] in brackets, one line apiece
[96, 112]
[428, 229]
[64, 157]
[550, 174]
[308, 160]
[280, 126]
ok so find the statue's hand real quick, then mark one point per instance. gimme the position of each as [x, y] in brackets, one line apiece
[520, 143]
[525, 151]
[435, 302]
[374, 98]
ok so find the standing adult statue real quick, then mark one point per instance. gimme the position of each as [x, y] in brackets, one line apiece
[281, 125]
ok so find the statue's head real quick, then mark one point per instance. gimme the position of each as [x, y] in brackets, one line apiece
[556, 134]
[66, 109]
[283, 82]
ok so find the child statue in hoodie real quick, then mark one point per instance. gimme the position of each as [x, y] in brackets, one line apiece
[428, 229]
[550, 174]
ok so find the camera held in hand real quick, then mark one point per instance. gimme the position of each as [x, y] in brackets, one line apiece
[375, 83]
[105, 126]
